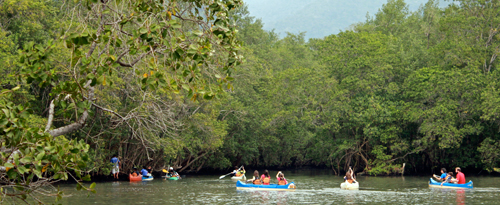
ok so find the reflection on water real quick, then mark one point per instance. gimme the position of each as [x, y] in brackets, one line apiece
[460, 196]
[317, 188]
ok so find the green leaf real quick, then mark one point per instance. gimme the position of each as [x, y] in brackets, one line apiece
[6, 112]
[9, 165]
[40, 156]
[21, 169]
[86, 178]
[26, 160]
[94, 82]
[176, 55]
[12, 173]
[208, 96]
[198, 33]
[186, 87]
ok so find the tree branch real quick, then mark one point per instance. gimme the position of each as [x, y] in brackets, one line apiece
[129, 65]
[51, 116]
[78, 124]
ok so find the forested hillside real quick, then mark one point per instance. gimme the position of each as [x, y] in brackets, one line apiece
[403, 87]
[319, 18]
[420, 88]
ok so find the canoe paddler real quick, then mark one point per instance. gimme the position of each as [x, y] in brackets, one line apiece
[460, 176]
[281, 178]
[448, 178]
[266, 178]
[443, 175]
[350, 177]
[135, 172]
[172, 173]
[235, 171]
[145, 172]
[241, 171]
[256, 178]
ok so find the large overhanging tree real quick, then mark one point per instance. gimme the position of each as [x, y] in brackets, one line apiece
[170, 46]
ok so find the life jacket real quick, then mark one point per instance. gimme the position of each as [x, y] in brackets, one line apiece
[266, 180]
[257, 181]
[350, 181]
[282, 182]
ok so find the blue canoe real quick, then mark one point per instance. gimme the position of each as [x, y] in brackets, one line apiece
[272, 187]
[435, 184]
[146, 178]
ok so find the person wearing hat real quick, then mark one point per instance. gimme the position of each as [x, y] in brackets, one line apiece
[172, 173]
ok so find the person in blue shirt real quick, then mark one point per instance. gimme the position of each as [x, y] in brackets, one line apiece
[144, 172]
[443, 175]
[116, 166]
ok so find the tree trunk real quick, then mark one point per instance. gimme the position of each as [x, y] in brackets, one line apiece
[76, 125]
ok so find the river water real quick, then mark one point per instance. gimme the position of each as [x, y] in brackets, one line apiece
[313, 187]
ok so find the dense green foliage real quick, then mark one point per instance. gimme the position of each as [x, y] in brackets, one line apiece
[159, 84]
[81, 78]
[402, 87]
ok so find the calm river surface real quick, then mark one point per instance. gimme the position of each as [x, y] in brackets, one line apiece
[313, 187]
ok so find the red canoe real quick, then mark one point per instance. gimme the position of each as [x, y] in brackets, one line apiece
[135, 179]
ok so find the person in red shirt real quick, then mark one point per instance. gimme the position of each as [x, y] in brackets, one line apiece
[460, 176]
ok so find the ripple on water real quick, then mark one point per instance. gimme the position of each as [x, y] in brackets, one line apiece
[318, 189]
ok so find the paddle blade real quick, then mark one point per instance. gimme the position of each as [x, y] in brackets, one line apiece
[222, 176]
[164, 170]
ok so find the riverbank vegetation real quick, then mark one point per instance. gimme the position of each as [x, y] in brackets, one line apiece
[160, 84]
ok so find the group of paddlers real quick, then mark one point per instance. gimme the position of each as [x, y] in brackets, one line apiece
[146, 171]
[447, 177]
[264, 179]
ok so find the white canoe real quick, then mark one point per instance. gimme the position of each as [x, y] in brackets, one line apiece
[347, 185]
[242, 177]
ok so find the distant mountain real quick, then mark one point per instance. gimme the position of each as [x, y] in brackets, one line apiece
[318, 18]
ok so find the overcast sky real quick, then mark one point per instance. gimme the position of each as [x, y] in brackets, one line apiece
[318, 18]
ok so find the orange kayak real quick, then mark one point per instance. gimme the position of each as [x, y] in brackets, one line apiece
[135, 179]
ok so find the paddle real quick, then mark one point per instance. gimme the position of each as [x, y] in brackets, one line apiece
[351, 175]
[166, 172]
[229, 173]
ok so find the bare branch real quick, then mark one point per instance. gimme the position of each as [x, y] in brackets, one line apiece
[78, 124]
[51, 116]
